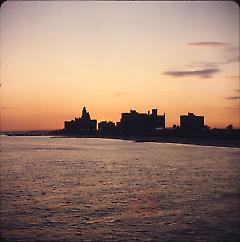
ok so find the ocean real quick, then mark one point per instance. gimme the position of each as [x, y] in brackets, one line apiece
[88, 189]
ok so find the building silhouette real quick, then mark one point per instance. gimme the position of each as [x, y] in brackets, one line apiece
[192, 122]
[105, 127]
[140, 123]
[81, 125]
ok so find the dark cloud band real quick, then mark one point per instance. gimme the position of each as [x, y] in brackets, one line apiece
[233, 98]
[204, 73]
[208, 44]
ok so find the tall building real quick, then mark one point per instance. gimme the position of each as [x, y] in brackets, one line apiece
[84, 124]
[105, 127]
[135, 123]
[192, 122]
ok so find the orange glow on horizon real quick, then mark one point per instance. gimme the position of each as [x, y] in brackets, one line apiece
[57, 57]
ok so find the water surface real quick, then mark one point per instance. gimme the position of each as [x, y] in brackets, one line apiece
[76, 189]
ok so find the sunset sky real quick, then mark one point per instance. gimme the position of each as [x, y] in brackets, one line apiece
[58, 56]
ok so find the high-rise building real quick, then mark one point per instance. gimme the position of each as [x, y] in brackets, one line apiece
[84, 124]
[136, 123]
[192, 122]
[105, 127]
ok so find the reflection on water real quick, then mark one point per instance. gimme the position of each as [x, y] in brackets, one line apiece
[113, 190]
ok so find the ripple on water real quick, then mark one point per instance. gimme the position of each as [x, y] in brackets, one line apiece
[88, 190]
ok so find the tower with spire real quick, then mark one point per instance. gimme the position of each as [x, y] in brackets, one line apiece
[81, 125]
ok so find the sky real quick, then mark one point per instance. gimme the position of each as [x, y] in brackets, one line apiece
[58, 56]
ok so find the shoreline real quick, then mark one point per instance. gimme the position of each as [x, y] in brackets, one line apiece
[200, 141]
[234, 143]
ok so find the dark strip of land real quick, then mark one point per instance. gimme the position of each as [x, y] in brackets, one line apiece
[220, 138]
[195, 141]
[177, 140]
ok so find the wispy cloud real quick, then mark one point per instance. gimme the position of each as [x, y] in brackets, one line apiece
[233, 108]
[208, 44]
[202, 73]
[169, 92]
[231, 55]
[233, 77]
[9, 108]
[233, 97]
[118, 94]
[230, 52]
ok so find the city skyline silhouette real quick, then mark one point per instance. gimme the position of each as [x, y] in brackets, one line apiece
[150, 124]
